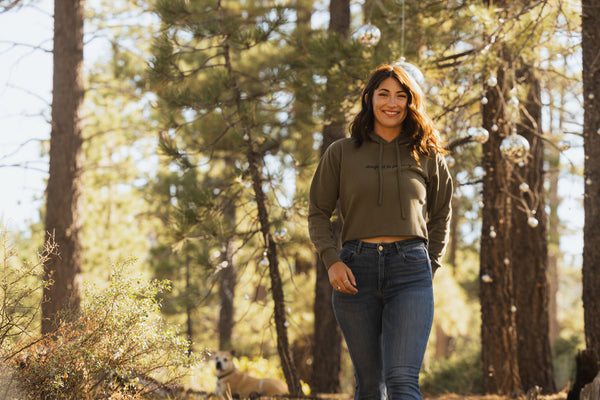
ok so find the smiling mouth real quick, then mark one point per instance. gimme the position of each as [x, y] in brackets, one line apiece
[391, 113]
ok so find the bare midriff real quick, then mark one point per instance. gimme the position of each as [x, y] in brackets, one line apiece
[386, 239]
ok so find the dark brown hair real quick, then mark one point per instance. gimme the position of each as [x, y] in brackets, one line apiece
[417, 125]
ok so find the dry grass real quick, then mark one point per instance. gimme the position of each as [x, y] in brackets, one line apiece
[558, 396]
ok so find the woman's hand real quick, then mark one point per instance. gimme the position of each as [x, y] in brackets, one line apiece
[341, 278]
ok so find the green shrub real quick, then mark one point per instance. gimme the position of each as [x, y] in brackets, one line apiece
[118, 338]
[21, 285]
[563, 358]
[459, 373]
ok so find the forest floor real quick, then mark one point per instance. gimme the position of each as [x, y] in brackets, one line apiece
[451, 396]
[193, 395]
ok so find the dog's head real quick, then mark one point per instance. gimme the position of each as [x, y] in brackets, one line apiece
[224, 361]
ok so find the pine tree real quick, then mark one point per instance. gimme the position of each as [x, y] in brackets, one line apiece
[327, 346]
[591, 136]
[529, 248]
[498, 323]
[218, 71]
[506, 52]
[63, 217]
[519, 205]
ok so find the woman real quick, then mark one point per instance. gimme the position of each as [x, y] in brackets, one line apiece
[394, 191]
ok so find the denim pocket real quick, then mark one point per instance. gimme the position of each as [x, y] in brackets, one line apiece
[415, 255]
[346, 255]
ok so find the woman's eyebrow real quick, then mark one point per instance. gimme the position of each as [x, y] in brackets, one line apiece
[386, 90]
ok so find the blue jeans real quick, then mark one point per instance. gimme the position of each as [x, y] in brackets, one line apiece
[386, 325]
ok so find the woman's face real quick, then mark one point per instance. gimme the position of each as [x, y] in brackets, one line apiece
[389, 106]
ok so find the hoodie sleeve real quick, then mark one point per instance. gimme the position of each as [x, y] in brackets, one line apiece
[439, 210]
[324, 192]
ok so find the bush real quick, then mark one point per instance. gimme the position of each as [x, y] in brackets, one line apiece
[21, 285]
[459, 373]
[117, 339]
[563, 359]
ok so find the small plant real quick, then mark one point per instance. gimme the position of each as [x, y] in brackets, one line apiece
[459, 373]
[21, 285]
[114, 347]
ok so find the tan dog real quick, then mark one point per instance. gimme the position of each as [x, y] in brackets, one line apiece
[231, 381]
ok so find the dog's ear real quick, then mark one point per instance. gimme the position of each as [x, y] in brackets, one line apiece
[233, 352]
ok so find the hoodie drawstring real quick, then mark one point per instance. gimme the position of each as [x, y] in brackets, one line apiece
[399, 180]
[380, 201]
[398, 177]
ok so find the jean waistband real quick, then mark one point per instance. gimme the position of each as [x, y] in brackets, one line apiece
[359, 245]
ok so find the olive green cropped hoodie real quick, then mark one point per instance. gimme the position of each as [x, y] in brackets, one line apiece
[377, 198]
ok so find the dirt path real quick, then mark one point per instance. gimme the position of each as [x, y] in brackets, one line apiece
[557, 396]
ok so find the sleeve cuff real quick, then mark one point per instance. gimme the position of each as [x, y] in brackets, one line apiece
[435, 264]
[329, 257]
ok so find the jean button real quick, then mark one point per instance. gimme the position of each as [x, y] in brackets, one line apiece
[380, 247]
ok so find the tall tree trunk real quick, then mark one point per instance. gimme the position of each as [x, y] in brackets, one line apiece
[327, 349]
[443, 342]
[227, 282]
[255, 163]
[591, 145]
[283, 346]
[554, 252]
[498, 322]
[189, 308]
[228, 274]
[530, 250]
[327, 346]
[63, 219]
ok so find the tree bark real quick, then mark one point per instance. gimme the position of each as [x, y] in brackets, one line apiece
[530, 251]
[328, 345]
[227, 282]
[591, 145]
[554, 229]
[498, 322]
[63, 218]
[443, 342]
[189, 309]
[283, 346]
[227, 275]
[327, 338]
[553, 247]
[255, 163]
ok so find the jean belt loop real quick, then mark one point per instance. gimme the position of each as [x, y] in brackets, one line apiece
[359, 246]
[398, 247]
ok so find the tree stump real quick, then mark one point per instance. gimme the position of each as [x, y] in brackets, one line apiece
[587, 369]
[591, 391]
